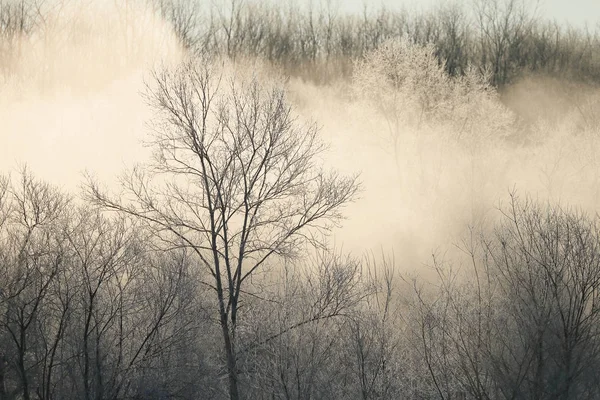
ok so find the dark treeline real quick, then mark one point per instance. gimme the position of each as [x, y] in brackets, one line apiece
[504, 38]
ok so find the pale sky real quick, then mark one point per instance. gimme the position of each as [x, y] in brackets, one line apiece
[574, 12]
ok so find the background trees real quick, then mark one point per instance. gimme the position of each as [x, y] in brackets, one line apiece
[505, 38]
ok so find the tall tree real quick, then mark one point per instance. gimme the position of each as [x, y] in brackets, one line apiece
[234, 178]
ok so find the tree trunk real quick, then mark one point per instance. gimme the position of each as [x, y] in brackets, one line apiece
[231, 361]
[3, 395]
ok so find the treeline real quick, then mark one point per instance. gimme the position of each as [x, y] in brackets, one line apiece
[93, 307]
[89, 311]
[503, 38]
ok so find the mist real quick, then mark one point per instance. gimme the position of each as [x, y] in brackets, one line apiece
[427, 192]
[70, 99]
[72, 103]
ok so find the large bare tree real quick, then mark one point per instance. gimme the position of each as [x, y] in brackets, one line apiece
[235, 178]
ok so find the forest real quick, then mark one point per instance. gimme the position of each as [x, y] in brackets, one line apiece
[254, 199]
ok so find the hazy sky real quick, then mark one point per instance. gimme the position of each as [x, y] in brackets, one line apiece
[574, 12]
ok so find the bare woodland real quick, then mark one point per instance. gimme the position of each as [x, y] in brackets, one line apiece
[209, 270]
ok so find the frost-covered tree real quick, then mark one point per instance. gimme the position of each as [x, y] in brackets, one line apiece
[409, 85]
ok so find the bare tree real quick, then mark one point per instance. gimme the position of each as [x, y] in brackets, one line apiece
[234, 179]
[85, 307]
[184, 17]
[504, 24]
[32, 257]
[525, 325]
[546, 260]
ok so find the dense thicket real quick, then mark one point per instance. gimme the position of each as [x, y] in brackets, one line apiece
[506, 38]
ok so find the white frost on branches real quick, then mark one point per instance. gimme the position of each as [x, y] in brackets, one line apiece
[408, 84]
